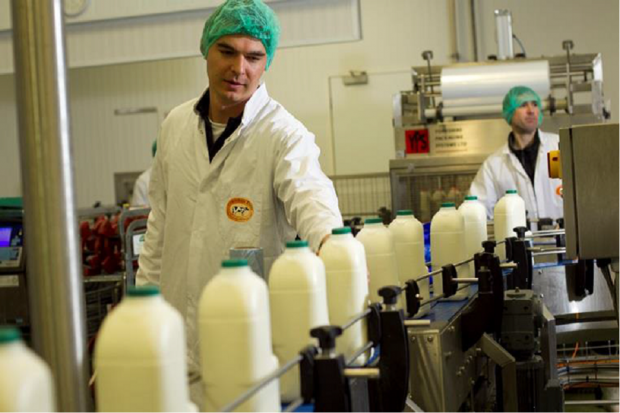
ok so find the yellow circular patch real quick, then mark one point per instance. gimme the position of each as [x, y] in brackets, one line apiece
[239, 209]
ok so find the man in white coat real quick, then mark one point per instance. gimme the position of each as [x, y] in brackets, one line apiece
[233, 169]
[140, 195]
[521, 163]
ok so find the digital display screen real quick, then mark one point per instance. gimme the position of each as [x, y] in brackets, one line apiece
[11, 235]
[5, 236]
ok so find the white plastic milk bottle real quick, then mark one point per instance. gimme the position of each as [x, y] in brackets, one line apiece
[509, 213]
[475, 216]
[378, 244]
[25, 380]
[235, 339]
[140, 356]
[409, 246]
[448, 246]
[347, 288]
[298, 303]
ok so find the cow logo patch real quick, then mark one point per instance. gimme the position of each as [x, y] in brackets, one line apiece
[239, 209]
[558, 191]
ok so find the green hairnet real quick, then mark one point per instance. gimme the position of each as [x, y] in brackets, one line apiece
[154, 148]
[517, 96]
[250, 17]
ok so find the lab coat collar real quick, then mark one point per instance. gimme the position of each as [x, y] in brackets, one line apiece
[252, 107]
[506, 148]
[258, 100]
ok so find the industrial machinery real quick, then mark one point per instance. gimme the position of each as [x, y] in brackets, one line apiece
[450, 120]
[444, 128]
[13, 282]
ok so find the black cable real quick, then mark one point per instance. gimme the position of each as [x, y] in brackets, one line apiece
[514, 36]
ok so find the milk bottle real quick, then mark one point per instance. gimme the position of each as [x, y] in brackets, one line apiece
[509, 213]
[140, 358]
[380, 256]
[475, 216]
[448, 245]
[25, 380]
[298, 303]
[235, 339]
[347, 288]
[408, 236]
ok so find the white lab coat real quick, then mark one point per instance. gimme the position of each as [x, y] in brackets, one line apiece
[268, 170]
[502, 171]
[140, 196]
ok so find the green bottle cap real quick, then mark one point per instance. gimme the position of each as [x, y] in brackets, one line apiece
[9, 335]
[235, 263]
[296, 244]
[144, 291]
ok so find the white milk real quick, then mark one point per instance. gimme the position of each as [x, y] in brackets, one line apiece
[408, 235]
[298, 303]
[25, 380]
[235, 339]
[475, 216]
[347, 288]
[509, 213]
[378, 244]
[140, 356]
[448, 246]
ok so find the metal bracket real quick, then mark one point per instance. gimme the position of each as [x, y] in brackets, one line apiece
[508, 367]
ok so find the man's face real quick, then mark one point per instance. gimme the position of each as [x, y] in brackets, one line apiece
[235, 65]
[525, 118]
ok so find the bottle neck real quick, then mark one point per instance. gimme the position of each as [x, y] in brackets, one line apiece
[141, 299]
[11, 346]
[232, 271]
[340, 236]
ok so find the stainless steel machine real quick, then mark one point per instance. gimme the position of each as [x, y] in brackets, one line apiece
[450, 120]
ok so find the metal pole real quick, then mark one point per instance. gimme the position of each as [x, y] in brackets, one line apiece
[54, 271]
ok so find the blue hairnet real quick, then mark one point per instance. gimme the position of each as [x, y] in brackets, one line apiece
[517, 96]
[250, 17]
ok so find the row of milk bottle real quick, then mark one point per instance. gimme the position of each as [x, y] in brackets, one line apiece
[140, 352]
[242, 322]
[456, 235]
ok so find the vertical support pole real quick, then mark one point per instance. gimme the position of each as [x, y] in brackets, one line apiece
[54, 270]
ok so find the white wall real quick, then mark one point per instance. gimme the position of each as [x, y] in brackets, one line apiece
[395, 32]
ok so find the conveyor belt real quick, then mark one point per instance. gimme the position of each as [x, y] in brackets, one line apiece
[445, 310]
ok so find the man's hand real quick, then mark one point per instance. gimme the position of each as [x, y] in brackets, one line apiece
[325, 238]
